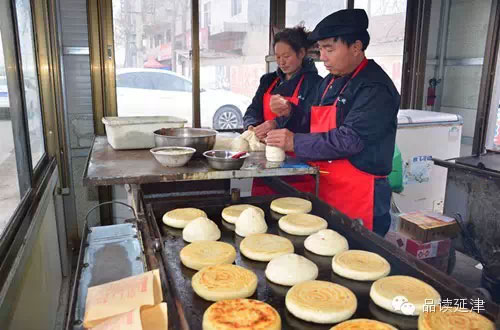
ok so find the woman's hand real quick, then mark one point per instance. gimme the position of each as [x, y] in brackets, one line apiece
[280, 106]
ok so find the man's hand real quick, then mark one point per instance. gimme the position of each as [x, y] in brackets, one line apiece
[280, 106]
[262, 130]
[282, 138]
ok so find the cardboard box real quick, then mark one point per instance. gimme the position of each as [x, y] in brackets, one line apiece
[427, 227]
[439, 248]
[440, 263]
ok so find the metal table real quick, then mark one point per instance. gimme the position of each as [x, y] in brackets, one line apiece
[106, 166]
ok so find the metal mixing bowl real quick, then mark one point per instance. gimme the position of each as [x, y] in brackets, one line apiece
[173, 156]
[221, 159]
[201, 139]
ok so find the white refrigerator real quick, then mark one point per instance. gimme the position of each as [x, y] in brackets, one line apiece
[421, 136]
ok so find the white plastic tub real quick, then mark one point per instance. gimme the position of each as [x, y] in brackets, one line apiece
[137, 132]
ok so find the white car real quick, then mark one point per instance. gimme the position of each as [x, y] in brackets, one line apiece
[155, 92]
[4, 95]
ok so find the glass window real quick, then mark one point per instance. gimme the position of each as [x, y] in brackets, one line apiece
[387, 33]
[150, 35]
[30, 80]
[235, 7]
[232, 60]
[169, 82]
[9, 185]
[309, 13]
[133, 80]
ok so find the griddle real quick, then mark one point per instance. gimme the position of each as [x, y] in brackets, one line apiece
[193, 306]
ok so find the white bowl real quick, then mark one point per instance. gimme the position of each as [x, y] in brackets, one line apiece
[173, 156]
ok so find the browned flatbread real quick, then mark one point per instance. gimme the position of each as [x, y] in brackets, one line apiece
[366, 324]
[452, 318]
[242, 314]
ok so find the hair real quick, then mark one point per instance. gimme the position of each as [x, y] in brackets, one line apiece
[350, 39]
[295, 37]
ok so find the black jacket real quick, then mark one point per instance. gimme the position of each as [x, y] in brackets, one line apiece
[366, 122]
[255, 112]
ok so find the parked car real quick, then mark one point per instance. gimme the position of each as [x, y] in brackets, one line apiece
[4, 95]
[153, 92]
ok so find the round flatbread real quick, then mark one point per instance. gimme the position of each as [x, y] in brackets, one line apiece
[250, 222]
[321, 302]
[243, 314]
[290, 269]
[201, 229]
[233, 212]
[264, 247]
[326, 242]
[221, 282]
[200, 254]
[302, 224]
[451, 318]
[366, 324]
[291, 205]
[360, 265]
[179, 218]
[403, 295]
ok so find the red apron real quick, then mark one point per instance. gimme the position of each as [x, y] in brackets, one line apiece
[342, 185]
[259, 188]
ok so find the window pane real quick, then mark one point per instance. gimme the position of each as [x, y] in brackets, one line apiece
[233, 46]
[387, 33]
[309, 13]
[153, 37]
[9, 186]
[30, 78]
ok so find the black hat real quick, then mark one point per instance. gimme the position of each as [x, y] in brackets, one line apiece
[342, 22]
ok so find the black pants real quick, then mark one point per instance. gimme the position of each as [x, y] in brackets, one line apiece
[382, 205]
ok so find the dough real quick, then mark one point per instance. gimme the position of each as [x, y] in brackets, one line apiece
[326, 242]
[302, 224]
[358, 324]
[200, 254]
[321, 302]
[244, 314]
[179, 218]
[290, 205]
[360, 265]
[290, 269]
[275, 154]
[403, 295]
[233, 212]
[201, 229]
[264, 247]
[250, 222]
[254, 143]
[222, 282]
[240, 144]
[451, 319]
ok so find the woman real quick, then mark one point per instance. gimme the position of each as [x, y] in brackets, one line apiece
[296, 80]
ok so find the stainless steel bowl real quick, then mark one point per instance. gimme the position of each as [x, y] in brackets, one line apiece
[199, 138]
[221, 159]
[173, 156]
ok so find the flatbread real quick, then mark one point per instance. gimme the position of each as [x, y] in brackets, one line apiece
[233, 212]
[302, 224]
[360, 265]
[290, 269]
[403, 295]
[201, 229]
[179, 218]
[222, 282]
[242, 314]
[290, 205]
[321, 302]
[358, 324]
[326, 242]
[264, 247]
[443, 318]
[200, 254]
[250, 222]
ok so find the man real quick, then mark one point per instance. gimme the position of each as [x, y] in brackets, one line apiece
[352, 125]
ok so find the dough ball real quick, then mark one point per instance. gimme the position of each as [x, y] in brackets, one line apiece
[275, 154]
[251, 221]
[201, 229]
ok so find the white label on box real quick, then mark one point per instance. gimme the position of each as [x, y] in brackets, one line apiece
[429, 252]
